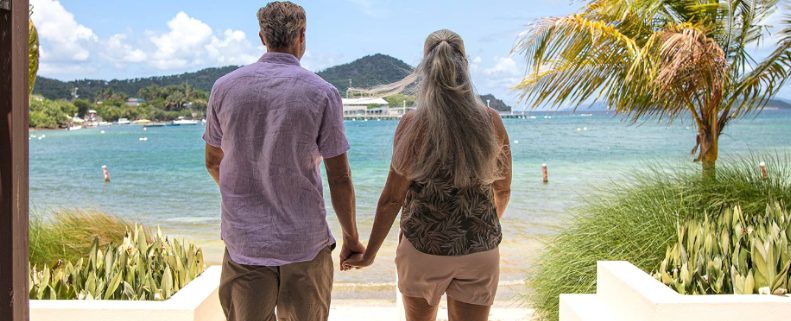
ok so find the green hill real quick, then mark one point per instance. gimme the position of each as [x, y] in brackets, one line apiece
[88, 88]
[365, 72]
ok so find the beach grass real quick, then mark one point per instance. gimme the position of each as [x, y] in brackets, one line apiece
[67, 234]
[636, 221]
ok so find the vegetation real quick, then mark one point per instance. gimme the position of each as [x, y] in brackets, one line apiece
[45, 113]
[734, 252]
[69, 234]
[89, 89]
[366, 72]
[636, 221]
[495, 103]
[662, 58]
[399, 100]
[32, 50]
[135, 269]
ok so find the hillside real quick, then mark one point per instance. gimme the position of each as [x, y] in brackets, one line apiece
[779, 103]
[56, 89]
[365, 72]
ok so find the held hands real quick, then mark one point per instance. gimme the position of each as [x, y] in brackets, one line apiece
[357, 261]
[349, 249]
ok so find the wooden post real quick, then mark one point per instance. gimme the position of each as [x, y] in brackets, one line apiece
[545, 173]
[762, 165]
[13, 160]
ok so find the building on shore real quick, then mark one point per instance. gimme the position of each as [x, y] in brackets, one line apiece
[365, 106]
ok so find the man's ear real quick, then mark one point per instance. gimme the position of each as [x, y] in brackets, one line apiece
[302, 35]
[263, 39]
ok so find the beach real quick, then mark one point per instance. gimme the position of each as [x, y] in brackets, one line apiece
[161, 181]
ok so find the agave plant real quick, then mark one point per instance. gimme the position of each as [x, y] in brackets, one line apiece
[738, 254]
[141, 268]
[663, 58]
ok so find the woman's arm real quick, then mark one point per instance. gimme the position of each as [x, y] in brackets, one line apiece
[390, 202]
[502, 187]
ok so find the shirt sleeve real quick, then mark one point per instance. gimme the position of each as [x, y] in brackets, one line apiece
[332, 139]
[213, 132]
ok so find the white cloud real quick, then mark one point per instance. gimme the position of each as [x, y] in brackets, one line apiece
[190, 42]
[181, 45]
[318, 62]
[118, 50]
[505, 66]
[63, 40]
[475, 63]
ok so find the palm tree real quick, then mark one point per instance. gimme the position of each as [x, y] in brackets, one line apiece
[32, 48]
[661, 58]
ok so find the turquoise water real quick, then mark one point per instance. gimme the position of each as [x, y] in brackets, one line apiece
[162, 181]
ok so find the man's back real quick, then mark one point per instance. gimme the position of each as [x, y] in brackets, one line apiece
[274, 121]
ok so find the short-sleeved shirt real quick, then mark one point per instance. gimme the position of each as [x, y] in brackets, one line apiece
[274, 122]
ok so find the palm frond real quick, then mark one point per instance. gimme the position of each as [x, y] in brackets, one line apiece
[754, 89]
[572, 58]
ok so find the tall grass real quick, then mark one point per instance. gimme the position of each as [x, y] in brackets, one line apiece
[636, 221]
[68, 234]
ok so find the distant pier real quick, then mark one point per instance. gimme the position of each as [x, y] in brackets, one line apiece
[396, 117]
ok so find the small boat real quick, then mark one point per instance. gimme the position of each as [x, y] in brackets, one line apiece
[123, 121]
[183, 122]
[155, 125]
[77, 127]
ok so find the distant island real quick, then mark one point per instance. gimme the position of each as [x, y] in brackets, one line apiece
[165, 98]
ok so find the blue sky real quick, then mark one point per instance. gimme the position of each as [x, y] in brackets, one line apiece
[102, 39]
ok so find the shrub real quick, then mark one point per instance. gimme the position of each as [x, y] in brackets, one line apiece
[68, 235]
[637, 221]
[137, 269]
[741, 253]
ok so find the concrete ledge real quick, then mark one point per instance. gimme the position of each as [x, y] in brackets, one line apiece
[627, 293]
[198, 301]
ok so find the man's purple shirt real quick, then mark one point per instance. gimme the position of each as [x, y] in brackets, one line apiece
[274, 121]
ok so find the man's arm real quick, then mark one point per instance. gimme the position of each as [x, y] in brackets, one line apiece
[339, 176]
[214, 156]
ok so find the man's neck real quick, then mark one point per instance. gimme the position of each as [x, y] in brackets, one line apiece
[285, 51]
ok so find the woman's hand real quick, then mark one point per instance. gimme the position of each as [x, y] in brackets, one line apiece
[357, 261]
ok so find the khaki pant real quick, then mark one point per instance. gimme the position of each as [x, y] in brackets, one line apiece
[299, 291]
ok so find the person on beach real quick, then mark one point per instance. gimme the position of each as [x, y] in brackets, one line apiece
[268, 127]
[450, 176]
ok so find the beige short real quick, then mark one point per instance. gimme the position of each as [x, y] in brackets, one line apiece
[299, 291]
[468, 278]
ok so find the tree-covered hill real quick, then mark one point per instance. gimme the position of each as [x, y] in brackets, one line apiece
[365, 72]
[89, 88]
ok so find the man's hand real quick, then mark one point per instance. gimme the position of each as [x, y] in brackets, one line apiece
[349, 249]
[357, 261]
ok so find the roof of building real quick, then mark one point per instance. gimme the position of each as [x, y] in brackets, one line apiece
[364, 101]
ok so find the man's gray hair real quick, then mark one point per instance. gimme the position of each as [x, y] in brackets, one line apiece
[281, 22]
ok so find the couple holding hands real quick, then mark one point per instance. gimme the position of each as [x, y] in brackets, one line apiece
[271, 124]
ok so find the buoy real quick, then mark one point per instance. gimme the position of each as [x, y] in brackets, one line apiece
[106, 173]
[516, 141]
[545, 172]
[143, 139]
[101, 132]
[762, 165]
[145, 129]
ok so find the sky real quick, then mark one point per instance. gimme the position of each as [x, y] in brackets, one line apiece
[100, 39]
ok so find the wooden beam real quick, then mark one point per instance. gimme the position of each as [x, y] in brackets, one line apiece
[14, 160]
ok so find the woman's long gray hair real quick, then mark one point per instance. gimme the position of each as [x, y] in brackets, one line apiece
[451, 132]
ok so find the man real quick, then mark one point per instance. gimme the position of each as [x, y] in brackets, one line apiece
[268, 127]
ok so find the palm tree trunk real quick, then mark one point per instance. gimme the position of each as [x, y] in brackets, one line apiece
[709, 148]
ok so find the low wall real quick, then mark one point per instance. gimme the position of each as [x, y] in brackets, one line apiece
[197, 301]
[624, 292]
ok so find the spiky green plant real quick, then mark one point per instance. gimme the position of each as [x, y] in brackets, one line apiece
[734, 252]
[68, 234]
[33, 53]
[140, 268]
[662, 58]
[637, 220]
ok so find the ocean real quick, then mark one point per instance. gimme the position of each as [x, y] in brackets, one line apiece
[161, 180]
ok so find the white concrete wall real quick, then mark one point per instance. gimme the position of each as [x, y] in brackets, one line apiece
[625, 292]
[198, 301]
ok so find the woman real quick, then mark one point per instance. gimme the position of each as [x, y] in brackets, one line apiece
[450, 175]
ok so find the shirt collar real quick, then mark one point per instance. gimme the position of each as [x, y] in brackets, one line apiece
[279, 58]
